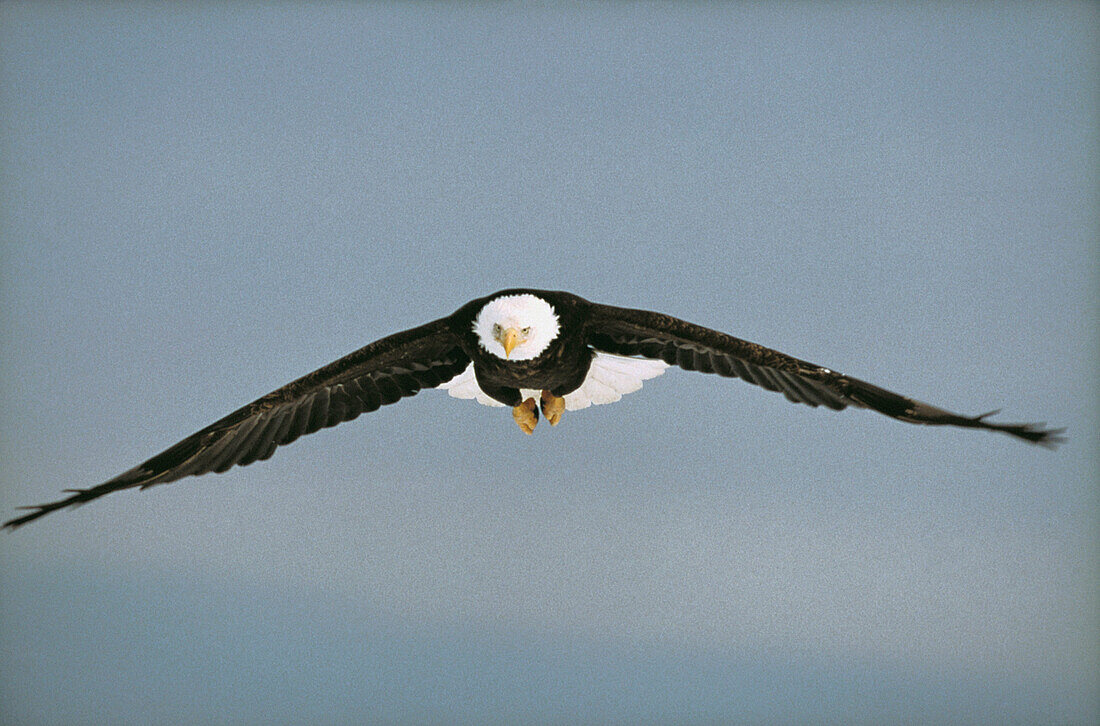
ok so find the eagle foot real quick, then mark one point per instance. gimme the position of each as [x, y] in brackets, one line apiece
[552, 407]
[526, 415]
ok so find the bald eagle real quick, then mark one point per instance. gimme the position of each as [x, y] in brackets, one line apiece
[529, 350]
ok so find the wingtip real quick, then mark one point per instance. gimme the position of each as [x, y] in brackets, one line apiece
[1051, 438]
[1035, 433]
[40, 510]
[35, 513]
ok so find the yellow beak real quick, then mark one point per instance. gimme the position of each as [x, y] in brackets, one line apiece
[509, 339]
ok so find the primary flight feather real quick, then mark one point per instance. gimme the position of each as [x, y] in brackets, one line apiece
[530, 350]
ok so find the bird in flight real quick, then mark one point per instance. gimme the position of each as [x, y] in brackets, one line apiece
[530, 350]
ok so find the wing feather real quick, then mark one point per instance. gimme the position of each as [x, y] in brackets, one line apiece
[381, 373]
[629, 332]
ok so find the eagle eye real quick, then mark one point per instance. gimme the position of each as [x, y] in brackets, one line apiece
[526, 331]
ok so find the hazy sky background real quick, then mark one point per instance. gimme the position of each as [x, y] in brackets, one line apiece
[199, 204]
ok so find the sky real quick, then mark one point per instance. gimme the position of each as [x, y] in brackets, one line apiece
[200, 203]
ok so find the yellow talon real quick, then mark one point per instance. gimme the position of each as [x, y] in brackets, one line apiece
[526, 415]
[552, 407]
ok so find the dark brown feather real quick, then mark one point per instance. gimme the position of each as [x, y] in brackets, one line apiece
[625, 331]
[381, 373]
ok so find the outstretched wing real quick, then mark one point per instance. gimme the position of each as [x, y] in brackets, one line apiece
[381, 373]
[624, 331]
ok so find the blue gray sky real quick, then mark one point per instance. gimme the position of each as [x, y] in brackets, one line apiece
[198, 204]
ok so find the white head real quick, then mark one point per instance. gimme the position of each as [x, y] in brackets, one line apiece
[517, 327]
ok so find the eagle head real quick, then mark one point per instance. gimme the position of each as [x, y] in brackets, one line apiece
[516, 327]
